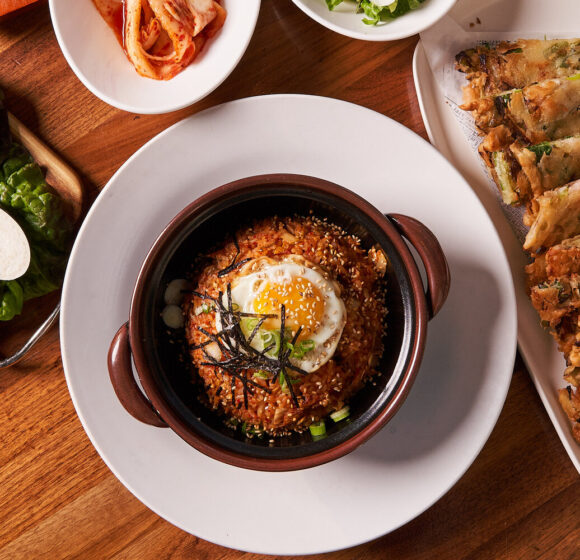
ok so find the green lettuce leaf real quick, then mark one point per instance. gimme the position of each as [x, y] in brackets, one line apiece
[25, 195]
[374, 14]
[11, 299]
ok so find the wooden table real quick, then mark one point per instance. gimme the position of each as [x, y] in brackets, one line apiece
[521, 497]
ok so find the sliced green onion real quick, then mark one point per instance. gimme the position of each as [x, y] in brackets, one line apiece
[283, 384]
[318, 429]
[205, 308]
[505, 177]
[248, 324]
[269, 338]
[541, 149]
[302, 348]
[341, 414]
[262, 374]
[284, 379]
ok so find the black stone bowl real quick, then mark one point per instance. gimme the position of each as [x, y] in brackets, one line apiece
[171, 399]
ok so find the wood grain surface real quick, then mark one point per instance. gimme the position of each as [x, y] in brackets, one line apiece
[519, 500]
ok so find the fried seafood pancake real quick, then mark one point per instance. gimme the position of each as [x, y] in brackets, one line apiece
[525, 99]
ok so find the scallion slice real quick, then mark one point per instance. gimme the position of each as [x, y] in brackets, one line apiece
[341, 414]
[269, 338]
[318, 429]
[248, 324]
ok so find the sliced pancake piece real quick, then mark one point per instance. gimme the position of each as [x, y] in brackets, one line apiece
[516, 64]
[557, 218]
[556, 298]
[523, 172]
[540, 112]
[545, 111]
[503, 166]
[550, 164]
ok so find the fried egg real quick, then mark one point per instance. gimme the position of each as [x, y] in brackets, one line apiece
[310, 297]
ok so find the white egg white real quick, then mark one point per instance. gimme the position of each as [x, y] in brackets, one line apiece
[263, 272]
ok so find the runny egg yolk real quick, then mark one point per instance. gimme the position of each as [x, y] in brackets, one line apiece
[303, 302]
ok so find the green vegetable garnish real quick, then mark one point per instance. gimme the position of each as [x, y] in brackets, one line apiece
[540, 150]
[283, 380]
[11, 299]
[271, 338]
[375, 14]
[504, 98]
[340, 414]
[505, 178]
[25, 195]
[318, 429]
[301, 349]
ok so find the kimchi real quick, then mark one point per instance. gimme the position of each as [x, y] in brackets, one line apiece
[162, 37]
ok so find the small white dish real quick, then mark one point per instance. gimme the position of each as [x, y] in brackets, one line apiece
[455, 400]
[344, 19]
[96, 57]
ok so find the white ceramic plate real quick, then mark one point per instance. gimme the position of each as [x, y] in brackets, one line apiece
[452, 406]
[545, 364]
[95, 56]
[345, 21]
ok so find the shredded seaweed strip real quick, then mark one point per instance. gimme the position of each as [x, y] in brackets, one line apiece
[233, 265]
[239, 357]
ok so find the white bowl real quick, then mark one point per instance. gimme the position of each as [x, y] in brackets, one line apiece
[96, 57]
[345, 21]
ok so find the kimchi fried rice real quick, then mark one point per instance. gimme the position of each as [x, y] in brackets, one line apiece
[285, 323]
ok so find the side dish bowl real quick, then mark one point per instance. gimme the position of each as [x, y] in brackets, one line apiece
[98, 60]
[344, 19]
[170, 398]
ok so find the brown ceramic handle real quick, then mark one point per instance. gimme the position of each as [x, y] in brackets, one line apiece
[126, 388]
[434, 261]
